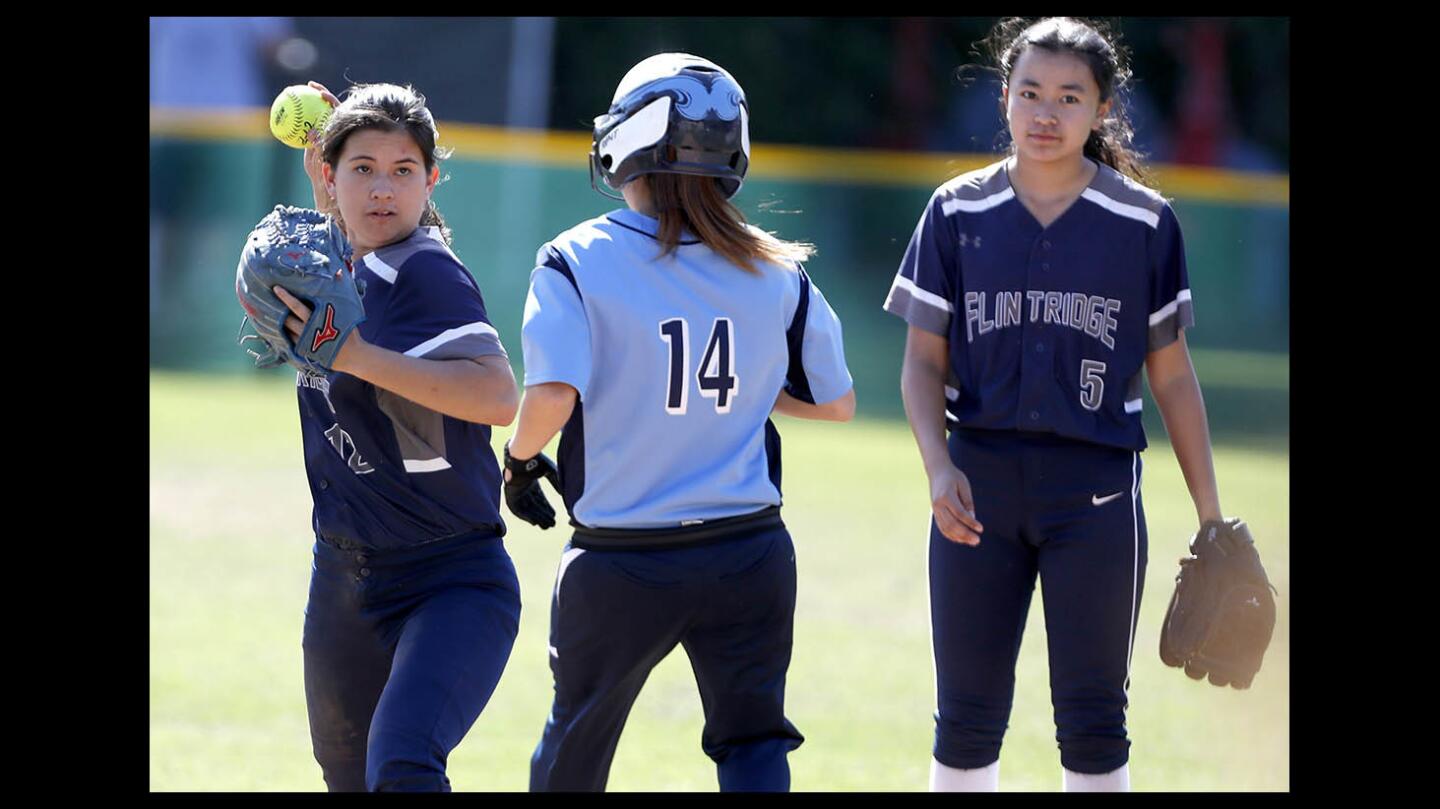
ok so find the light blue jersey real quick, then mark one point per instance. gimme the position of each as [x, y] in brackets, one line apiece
[678, 362]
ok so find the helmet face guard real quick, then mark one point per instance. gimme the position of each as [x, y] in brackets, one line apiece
[674, 114]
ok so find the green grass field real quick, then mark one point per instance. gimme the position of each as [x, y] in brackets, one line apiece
[230, 562]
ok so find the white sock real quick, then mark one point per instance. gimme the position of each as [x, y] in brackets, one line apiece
[953, 779]
[1117, 780]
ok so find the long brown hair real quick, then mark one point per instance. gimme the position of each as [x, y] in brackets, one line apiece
[687, 202]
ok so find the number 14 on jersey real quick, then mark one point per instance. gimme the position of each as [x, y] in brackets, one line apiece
[716, 373]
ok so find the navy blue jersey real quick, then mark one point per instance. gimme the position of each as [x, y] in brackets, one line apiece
[384, 471]
[678, 363]
[1048, 327]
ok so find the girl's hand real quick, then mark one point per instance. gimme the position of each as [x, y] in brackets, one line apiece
[954, 506]
[296, 327]
[323, 201]
[326, 94]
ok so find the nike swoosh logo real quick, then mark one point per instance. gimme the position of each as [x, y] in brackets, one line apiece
[1097, 500]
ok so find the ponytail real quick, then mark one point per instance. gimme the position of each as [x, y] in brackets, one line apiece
[694, 203]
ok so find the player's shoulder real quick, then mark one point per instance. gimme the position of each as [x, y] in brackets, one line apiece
[583, 234]
[563, 251]
[566, 249]
[422, 256]
[974, 191]
[1126, 197]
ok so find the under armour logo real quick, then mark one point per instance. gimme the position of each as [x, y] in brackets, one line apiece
[966, 238]
[1253, 602]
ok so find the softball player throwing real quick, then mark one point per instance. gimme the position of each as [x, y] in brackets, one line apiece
[1036, 291]
[414, 604]
[661, 337]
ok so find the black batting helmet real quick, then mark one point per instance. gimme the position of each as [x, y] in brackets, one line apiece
[678, 114]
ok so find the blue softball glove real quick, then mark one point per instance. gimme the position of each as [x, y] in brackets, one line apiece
[305, 252]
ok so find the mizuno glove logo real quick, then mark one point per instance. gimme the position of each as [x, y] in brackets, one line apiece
[326, 333]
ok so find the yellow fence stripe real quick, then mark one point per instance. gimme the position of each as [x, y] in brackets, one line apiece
[202, 124]
[770, 161]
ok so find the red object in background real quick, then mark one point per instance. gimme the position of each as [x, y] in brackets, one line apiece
[912, 86]
[1202, 117]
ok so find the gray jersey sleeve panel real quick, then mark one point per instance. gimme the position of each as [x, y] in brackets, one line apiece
[1126, 191]
[1167, 330]
[467, 346]
[916, 312]
[973, 186]
[1170, 300]
[397, 254]
[922, 290]
[419, 431]
[1135, 388]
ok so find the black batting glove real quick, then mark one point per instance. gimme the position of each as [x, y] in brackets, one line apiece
[522, 488]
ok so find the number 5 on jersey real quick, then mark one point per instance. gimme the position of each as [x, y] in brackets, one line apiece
[715, 374]
[1092, 383]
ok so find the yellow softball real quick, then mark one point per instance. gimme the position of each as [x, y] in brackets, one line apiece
[298, 116]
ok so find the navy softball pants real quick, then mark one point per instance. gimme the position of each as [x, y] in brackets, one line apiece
[615, 614]
[1070, 512]
[402, 651]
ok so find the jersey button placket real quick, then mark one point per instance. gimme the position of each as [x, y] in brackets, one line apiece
[1033, 364]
